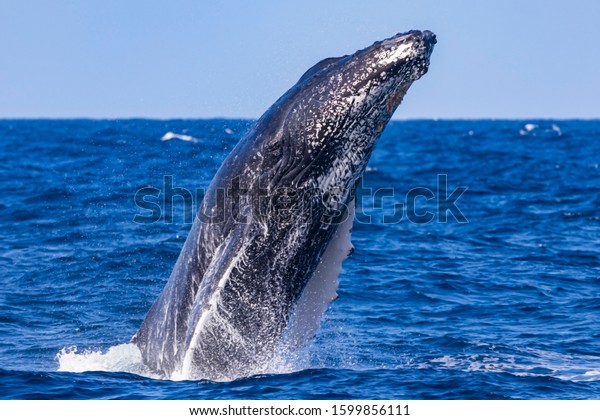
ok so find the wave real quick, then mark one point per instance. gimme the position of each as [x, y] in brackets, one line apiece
[531, 362]
[126, 358]
[184, 137]
[120, 358]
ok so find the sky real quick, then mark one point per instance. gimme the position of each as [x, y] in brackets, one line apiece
[205, 59]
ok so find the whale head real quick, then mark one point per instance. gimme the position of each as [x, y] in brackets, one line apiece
[375, 72]
[325, 127]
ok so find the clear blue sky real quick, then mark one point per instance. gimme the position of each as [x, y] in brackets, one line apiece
[201, 59]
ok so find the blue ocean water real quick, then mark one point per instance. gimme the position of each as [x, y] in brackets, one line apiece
[504, 303]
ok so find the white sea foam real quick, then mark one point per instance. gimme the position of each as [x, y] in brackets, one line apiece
[119, 358]
[184, 137]
[556, 128]
[527, 128]
[530, 127]
[128, 359]
[532, 362]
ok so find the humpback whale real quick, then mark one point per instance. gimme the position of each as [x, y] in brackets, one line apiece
[261, 261]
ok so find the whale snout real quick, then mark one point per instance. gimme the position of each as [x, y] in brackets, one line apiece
[422, 41]
[415, 35]
[429, 39]
[426, 38]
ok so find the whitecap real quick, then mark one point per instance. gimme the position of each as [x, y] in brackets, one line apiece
[170, 136]
[530, 127]
[120, 358]
[529, 362]
[556, 128]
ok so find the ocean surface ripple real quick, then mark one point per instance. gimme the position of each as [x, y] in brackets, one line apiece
[501, 303]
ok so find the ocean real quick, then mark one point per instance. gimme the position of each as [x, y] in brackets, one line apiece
[475, 275]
